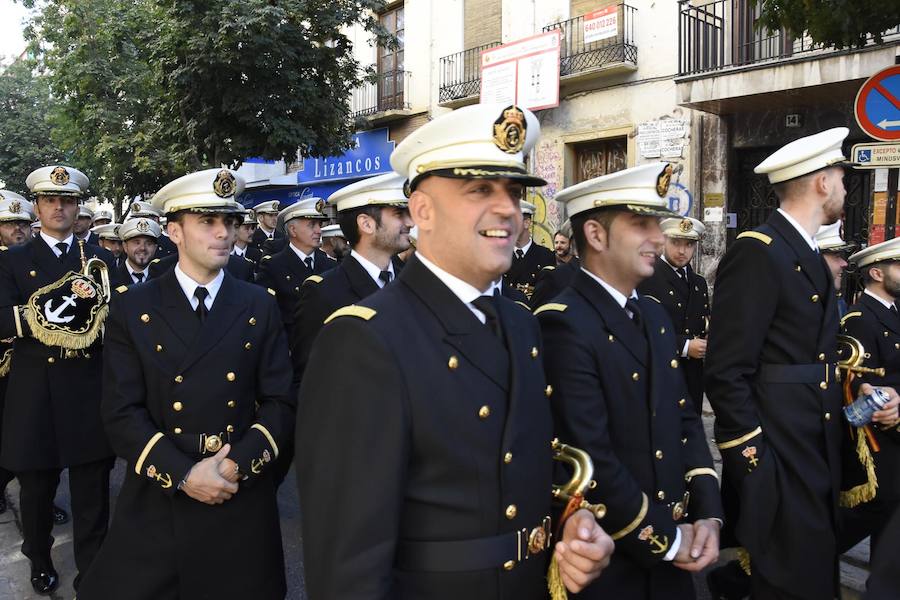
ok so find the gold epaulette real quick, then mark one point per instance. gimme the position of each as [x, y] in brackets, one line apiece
[360, 312]
[654, 298]
[549, 268]
[756, 236]
[271, 291]
[523, 305]
[3, 248]
[850, 315]
[313, 279]
[551, 306]
[266, 257]
[122, 289]
[154, 261]
[247, 259]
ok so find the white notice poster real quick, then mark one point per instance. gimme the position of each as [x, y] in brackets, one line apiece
[498, 84]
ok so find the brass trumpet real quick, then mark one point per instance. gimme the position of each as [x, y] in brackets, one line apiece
[856, 354]
[581, 480]
[92, 265]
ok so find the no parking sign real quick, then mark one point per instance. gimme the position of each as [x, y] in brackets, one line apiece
[877, 105]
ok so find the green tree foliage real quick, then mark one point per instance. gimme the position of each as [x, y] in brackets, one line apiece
[837, 23]
[147, 90]
[25, 125]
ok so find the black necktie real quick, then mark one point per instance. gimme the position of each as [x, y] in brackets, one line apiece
[308, 262]
[139, 276]
[386, 277]
[63, 248]
[520, 254]
[631, 305]
[681, 273]
[486, 305]
[200, 293]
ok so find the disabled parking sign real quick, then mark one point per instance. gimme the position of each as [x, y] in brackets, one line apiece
[877, 105]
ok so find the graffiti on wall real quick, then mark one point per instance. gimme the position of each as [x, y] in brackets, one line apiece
[547, 165]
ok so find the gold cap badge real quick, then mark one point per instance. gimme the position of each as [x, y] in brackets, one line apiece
[143, 226]
[320, 206]
[662, 181]
[509, 130]
[224, 186]
[15, 207]
[685, 226]
[59, 176]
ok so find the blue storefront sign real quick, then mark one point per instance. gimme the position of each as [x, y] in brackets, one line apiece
[321, 177]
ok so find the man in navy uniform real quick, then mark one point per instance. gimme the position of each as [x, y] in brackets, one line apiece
[243, 241]
[552, 279]
[620, 394]
[108, 236]
[529, 257]
[772, 381]
[685, 296]
[267, 217]
[868, 498]
[145, 210]
[51, 420]
[374, 214]
[285, 271]
[139, 236]
[334, 243]
[196, 401]
[835, 251]
[82, 228]
[436, 411]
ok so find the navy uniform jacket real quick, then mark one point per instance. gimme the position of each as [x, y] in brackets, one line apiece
[168, 380]
[878, 329]
[259, 237]
[321, 295]
[239, 268]
[443, 434]
[551, 280]
[165, 247]
[523, 271]
[770, 378]
[619, 394]
[687, 303]
[284, 272]
[52, 415]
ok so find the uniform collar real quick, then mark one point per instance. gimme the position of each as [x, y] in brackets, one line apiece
[887, 305]
[300, 253]
[372, 269]
[52, 242]
[527, 246]
[810, 240]
[462, 290]
[618, 296]
[188, 285]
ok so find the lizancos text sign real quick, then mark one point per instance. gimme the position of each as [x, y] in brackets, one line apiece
[370, 155]
[524, 72]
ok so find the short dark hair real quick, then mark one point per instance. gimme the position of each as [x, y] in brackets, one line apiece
[347, 221]
[604, 216]
[866, 270]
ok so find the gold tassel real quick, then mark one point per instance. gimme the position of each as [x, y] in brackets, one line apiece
[744, 560]
[6, 362]
[864, 492]
[555, 583]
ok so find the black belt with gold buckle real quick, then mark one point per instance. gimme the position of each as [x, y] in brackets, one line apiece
[201, 443]
[505, 550]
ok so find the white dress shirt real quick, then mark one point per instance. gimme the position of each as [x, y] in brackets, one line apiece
[51, 241]
[462, 290]
[238, 251]
[188, 286]
[526, 247]
[372, 269]
[132, 271]
[303, 256]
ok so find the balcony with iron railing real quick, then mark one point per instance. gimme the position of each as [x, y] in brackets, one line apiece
[385, 97]
[460, 77]
[580, 60]
[721, 35]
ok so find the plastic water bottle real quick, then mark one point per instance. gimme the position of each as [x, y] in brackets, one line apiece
[860, 412]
